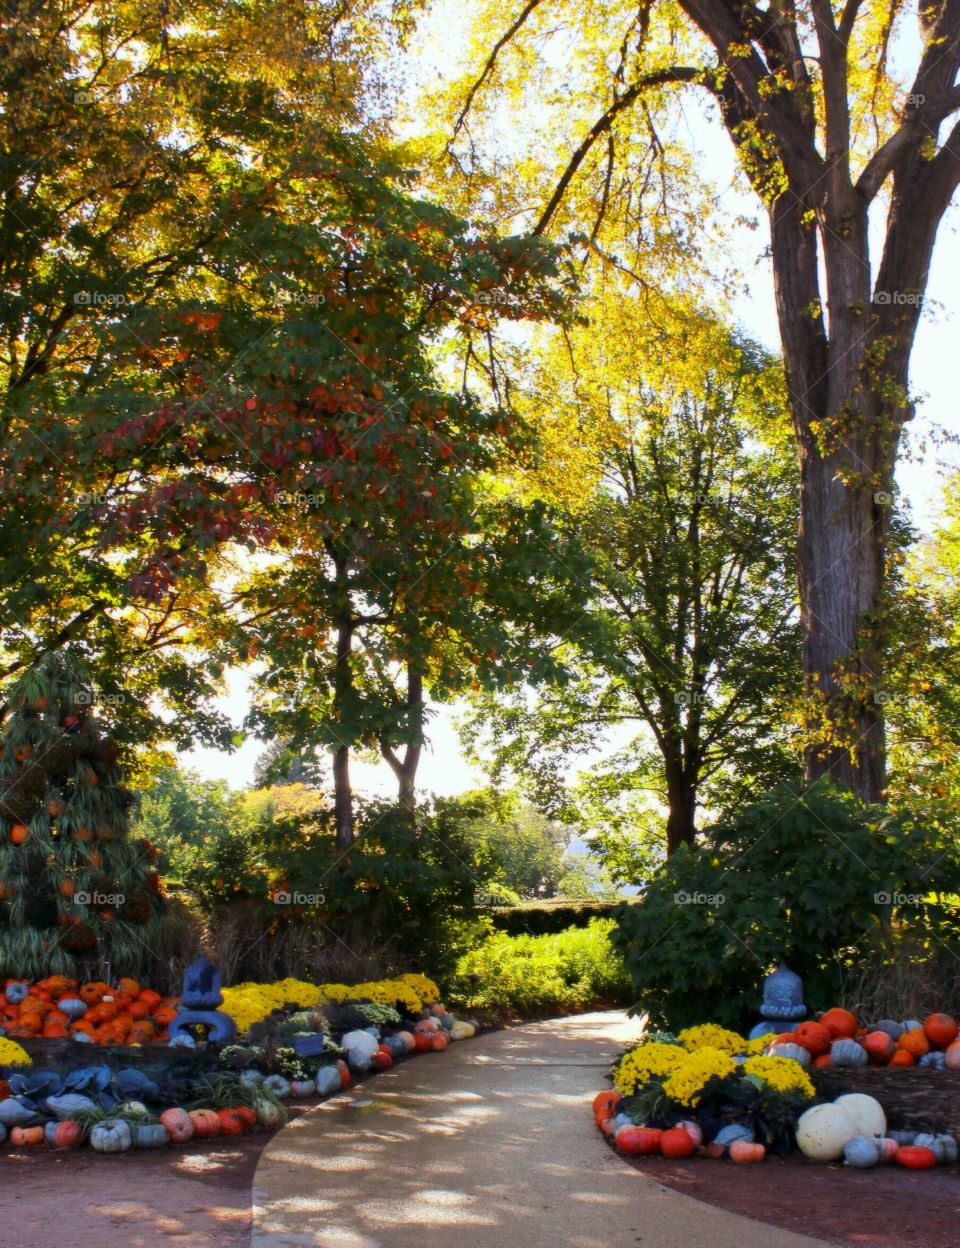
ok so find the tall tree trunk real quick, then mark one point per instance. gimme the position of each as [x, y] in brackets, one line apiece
[342, 792]
[681, 800]
[405, 768]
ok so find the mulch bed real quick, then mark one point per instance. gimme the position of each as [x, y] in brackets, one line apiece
[883, 1208]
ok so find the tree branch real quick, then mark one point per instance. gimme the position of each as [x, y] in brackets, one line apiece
[491, 65]
[919, 121]
[677, 73]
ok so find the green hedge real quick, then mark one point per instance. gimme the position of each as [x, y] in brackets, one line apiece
[539, 918]
[577, 969]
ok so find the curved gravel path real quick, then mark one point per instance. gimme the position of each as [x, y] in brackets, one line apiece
[488, 1145]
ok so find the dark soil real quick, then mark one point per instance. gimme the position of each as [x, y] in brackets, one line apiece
[883, 1208]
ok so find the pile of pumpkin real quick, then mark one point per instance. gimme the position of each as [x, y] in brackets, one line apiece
[236, 1102]
[854, 1127]
[93, 1012]
[838, 1039]
[677, 1142]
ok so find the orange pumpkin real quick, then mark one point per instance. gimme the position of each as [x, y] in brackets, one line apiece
[841, 1024]
[880, 1047]
[151, 998]
[19, 833]
[914, 1042]
[67, 1134]
[952, 1060]
[814, 1037]
[206, 1123]
[605, 1104]
[941, 1030]
[129, 987]
[179, 1125]
[26, 1136]
[902, 1058]
[823, 1060]
[54, 1031]
[142, 1033]
[248, 1115]
[162, 1017]
[138, 1010]
[745, 1153]
[915, 1157]
[92, 993]
[230, 1122]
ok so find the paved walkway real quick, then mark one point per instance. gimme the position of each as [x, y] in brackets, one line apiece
[488, 1145]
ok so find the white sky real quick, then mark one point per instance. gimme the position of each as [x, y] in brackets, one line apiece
[442, 769]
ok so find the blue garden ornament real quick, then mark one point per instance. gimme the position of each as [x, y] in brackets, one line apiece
[198, 1005]
[783, 995]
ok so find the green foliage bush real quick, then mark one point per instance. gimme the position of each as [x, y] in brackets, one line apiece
[810, 875]
[571, 970]
[539, 918]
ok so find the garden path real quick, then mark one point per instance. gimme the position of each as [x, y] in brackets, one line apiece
[488, 1145]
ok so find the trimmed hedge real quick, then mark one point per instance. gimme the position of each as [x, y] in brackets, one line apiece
[542, 918]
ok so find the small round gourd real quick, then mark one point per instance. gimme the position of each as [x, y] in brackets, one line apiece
[301, 1088]
[861, 1152]
[15, 993]
[823, 1131]
[278, 1085]
[67, 1134]
[693, 1129]
[952, 1056]
[902, 1137]
[865, 1112]
[888, 1149]
[893, 1029]
[848, 1053]
[934, 1060]
[133, 1109]
[113, 1135]
[26, 1137]
[796, 1052]
[269, 1114]
[250, 1078]
[945, 1147]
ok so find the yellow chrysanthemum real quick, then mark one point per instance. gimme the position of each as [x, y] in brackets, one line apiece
[642, 1064]
[13, 1054]
[758, 1044]
[248, 1003]
[688, 1079]
[711, 1036]
[780, 1073]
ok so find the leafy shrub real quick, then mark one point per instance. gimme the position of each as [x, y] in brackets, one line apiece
[569, 970]
[810, 875]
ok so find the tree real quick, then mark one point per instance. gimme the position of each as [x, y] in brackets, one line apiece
[135, 141]
[514, 846]
[824, 126]
[689, 527]
[75, 891]
[182, 814]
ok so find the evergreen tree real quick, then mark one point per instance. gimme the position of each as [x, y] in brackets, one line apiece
[76, 892]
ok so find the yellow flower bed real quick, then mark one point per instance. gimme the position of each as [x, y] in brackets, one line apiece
[780, 1073]
[711, 1036]
[13, 1054]
[687, 1080]
[641, 1064]
[248, 1003]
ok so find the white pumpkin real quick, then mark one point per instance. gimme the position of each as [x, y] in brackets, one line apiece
[865, 1111]
[823, 1131]
[360, 1044]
